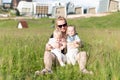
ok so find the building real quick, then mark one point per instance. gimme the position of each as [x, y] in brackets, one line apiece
[0, 2]
[65, 7]
[7, 4]
[15, 2]
[114, 5]
[11, 3]
[99, 5]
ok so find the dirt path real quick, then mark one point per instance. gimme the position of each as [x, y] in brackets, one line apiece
[87, 15]
[68, 16]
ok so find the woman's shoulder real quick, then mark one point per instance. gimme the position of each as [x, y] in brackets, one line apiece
[51, 36]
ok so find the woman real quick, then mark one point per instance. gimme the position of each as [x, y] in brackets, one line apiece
[49, 58]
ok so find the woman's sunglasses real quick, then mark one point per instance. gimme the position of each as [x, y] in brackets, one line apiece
[64, 25]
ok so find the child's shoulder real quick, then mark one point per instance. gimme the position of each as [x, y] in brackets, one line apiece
[51, 40]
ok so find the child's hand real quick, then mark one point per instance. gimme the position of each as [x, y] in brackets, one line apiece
[76, 44]
[71, 45]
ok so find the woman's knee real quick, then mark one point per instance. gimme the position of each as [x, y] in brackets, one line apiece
[82, 53]
[49, 56]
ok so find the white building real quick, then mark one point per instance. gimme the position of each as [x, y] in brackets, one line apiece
[100, 5]
[0, 2]
[25, 8]
[114, 5]
[96, 6]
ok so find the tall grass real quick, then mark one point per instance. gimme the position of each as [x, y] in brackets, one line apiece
[22, 50]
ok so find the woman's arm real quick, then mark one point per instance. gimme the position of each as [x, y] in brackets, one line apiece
[48, 47]
[64, 45]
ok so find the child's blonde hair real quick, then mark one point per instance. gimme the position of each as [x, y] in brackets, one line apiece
[57, 33]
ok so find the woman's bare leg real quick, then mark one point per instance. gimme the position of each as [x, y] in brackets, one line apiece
[82, 59]
[49, 58]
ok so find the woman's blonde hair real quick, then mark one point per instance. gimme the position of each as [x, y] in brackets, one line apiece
[59, 19]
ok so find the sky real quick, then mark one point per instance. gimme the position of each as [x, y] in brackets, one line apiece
[84, 3]
[76, 1]
[6, 1]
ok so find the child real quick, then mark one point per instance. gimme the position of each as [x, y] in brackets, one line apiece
[57, 44]
[73, 42]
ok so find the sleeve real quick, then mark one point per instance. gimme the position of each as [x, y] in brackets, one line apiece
[50, 41]
[68, 39]
[77, 38]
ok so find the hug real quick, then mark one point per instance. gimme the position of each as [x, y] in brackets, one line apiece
[63, 46]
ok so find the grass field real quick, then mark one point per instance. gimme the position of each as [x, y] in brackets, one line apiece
[21, 50]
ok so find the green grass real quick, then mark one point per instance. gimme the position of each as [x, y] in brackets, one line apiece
[22, 50]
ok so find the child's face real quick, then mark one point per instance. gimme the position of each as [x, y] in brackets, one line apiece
[70, 31]
[57, 38]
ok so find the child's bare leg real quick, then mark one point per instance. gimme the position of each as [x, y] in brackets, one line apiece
[67, 57]
[61, 62]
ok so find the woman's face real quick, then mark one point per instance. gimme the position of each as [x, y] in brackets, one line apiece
[62, 25]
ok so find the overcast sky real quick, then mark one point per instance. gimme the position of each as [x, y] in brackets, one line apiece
[6, 1]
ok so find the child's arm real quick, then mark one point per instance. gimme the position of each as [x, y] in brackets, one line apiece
[76, 44]
[77, 41]
[48, 46]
